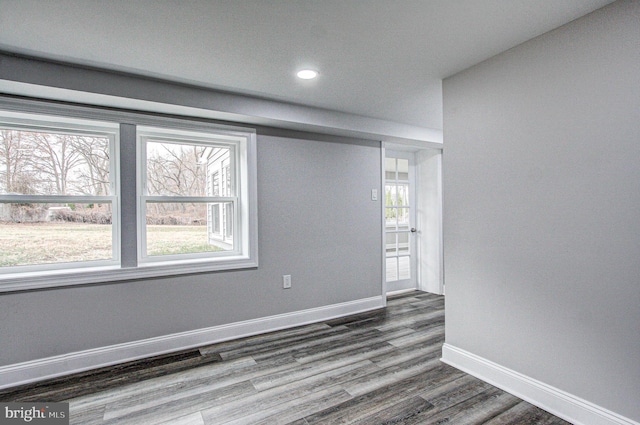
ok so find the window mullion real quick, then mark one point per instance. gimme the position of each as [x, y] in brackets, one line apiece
[128, 196]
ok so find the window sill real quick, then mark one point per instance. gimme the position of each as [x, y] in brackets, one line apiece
[17, 282]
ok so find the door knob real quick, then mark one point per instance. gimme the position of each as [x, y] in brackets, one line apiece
[413, 230]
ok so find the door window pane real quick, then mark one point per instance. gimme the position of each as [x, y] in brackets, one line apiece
[403, 243]
[403, 169]
[390, 168]
[402, 199]
[392, 246]
[404, 268]
[403, 218]
[390, 195]
[392, 269]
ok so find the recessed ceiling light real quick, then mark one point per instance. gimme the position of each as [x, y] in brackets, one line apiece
[307, 74]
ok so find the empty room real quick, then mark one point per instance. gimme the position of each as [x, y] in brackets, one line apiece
[320, 212]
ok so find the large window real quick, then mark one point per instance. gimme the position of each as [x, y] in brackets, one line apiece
[58, 193]
[190, 203]
[95, 196]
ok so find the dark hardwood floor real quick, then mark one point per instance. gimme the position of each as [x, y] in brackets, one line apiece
[380, 367]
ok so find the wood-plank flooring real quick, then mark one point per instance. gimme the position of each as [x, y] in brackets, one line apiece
[380, 367]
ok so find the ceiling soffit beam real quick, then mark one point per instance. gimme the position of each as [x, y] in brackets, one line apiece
[33, 77]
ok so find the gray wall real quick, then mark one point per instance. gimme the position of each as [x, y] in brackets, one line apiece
[542, 208]
[316, 222]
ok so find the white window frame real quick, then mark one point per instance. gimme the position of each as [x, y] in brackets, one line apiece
[65, 125]
[126, 123]
[237, 143]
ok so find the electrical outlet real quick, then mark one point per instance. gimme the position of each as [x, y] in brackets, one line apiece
[286, 281]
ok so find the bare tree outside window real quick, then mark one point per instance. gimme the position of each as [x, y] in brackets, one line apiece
[177, 170]
[35, 230]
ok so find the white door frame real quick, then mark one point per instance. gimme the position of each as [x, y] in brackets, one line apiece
[428, 205]
[412, 281]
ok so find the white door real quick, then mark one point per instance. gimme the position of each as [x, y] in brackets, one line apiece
[400, 218]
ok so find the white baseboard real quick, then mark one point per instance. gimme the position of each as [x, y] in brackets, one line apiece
[560, 403]
[401, 291]
[51, 367]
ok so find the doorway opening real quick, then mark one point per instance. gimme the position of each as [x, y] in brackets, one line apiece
[399, 221]
[412, 209]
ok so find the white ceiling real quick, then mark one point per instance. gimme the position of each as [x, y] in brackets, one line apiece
[378, 58]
